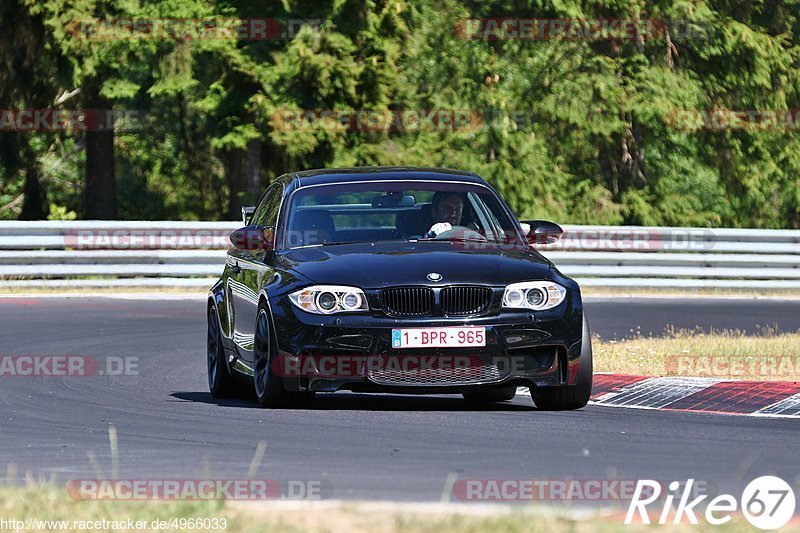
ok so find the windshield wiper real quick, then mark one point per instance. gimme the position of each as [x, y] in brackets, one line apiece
[452, 239]
[343, 243]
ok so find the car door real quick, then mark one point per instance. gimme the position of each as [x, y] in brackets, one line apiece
[249, 270]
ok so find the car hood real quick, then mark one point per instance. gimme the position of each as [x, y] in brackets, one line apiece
[372, 266]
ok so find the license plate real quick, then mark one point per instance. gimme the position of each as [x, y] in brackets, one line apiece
[449, 337]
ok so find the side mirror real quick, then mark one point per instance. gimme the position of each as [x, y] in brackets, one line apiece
[542, 231]
[247, 212]
[252, 238]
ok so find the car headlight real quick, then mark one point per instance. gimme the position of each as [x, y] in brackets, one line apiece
[328, 299]
[536, 295]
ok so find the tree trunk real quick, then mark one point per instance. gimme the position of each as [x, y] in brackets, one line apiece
[244, 169]
[34, 202]
[100, 193]
[34, 205]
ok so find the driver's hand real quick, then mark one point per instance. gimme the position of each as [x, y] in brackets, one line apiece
[438, 229]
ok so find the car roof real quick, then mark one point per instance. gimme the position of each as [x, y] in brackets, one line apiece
[344, 175]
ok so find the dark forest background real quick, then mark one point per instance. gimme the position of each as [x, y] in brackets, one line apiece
[574, 130]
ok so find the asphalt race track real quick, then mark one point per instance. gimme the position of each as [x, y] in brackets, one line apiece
[623, 317]
[360, 446]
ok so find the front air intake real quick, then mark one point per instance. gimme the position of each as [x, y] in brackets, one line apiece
[465, 301]
[407, 301]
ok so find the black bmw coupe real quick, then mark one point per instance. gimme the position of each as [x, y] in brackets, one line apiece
[405, 280]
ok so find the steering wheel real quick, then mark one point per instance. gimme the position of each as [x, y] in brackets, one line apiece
[458, 233]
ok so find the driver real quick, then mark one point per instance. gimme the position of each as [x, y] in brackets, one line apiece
[446, 209]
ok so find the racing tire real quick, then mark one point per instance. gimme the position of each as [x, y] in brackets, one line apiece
[268, 384]
[220, 381]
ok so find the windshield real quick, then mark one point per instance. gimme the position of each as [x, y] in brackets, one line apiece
[390, 211]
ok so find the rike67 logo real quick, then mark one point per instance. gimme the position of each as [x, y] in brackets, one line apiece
[767, 502]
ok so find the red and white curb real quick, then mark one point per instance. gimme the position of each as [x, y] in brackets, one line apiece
[779, 399]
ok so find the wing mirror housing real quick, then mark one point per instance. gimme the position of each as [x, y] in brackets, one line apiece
[541, 231]
[251, 238]
[247, 212]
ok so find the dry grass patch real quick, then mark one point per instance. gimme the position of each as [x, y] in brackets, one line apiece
[49, 503]
[767, 356]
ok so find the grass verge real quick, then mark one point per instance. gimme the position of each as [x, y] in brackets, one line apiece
[728, 354]
[49, 504]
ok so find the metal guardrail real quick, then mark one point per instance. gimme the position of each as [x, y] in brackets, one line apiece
[192, 254]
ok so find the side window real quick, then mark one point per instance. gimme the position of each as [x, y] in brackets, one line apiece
[266, 213]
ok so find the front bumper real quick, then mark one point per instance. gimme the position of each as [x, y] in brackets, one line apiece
[354, 351]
